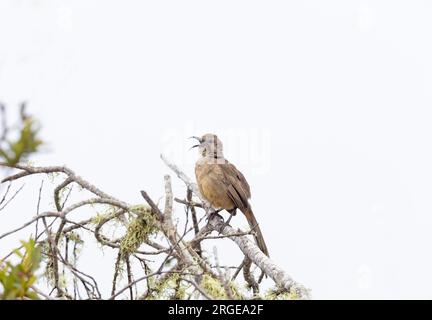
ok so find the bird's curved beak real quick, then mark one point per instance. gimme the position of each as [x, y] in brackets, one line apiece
[197, 145]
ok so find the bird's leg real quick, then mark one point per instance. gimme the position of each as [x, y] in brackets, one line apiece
[232, 212]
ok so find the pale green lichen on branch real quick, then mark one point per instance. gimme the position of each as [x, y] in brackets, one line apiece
[169, 287]
[109, 214]
[139, 230]
[277, 294]
[49, 274]
[216, 290]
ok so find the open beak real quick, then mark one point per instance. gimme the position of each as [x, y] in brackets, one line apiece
[197, 145]
[199, 139]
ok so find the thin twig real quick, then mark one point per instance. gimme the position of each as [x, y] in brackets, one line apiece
[11, 198]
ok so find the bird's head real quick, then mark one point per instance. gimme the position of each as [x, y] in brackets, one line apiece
[209, 146]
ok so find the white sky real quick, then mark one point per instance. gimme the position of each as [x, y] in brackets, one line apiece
[325, 106]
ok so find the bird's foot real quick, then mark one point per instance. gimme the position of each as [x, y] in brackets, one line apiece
[232, 214]
[211, 213]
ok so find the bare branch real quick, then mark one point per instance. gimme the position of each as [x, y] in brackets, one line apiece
[30, 170]
[25, 225]
[11, 198]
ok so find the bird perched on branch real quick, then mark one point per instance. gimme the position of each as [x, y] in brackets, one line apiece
[223, 185]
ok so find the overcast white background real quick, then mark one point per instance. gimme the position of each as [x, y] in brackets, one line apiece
[325, 106]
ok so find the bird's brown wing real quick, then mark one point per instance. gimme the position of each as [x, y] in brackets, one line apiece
[237, 187]
[239, 192]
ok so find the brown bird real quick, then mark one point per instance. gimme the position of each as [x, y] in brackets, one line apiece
[223, 185]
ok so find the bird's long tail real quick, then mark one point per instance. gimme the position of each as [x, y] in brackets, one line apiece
[253, 223]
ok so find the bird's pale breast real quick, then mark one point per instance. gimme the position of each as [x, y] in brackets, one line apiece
[212, 186]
